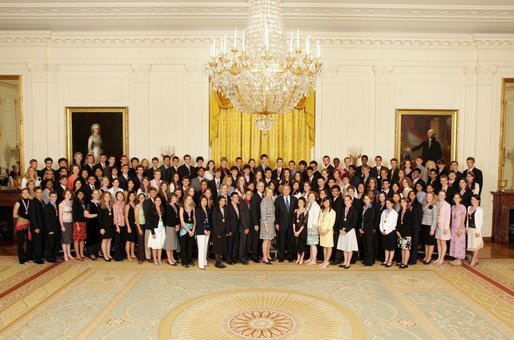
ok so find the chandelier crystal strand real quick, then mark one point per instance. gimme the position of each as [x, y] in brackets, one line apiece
[263, 76]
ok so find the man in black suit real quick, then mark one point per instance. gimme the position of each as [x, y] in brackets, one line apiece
[479, 179]
[248, 174]
[51, 222]
[376, 171]
[59, 188]
[416, 178]
[134, 163]
[124, 177]
[102, 162]
[284, 217]
[338, 206]
[48, 166]
[89, 187]
[215, 184]
[138, 178]
[364, 162]
[354, 179]
[245, 214]
[37, 225]
[255, 209]
[278, 173]
[166, 169]
[264, 164]
[315, 172]
[90, 164]
[393, 172]
[327, 166]
[430, 148]
[433, 180]
[187, 169]
[155, 166]
[234, 225]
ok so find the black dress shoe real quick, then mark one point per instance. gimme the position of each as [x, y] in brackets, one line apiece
[256, 260]
[245, 263]
[39, 262]
[388, 265]
[403, 266]
[220, 266]
[427, 262]
[282, 260]
[268, 262]
[341, 266]
[367, 264]
[290, 260]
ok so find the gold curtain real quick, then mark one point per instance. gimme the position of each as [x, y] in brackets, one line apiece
[234, 134]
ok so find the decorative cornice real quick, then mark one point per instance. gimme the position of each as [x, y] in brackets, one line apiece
[239, 9]
[50, 39]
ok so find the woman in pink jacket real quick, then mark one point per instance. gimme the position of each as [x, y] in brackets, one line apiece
[442, 233]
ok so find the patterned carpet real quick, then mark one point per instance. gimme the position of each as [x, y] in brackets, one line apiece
[93, 300]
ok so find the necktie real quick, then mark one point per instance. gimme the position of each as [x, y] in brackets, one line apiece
[429, 143]
[287, 204]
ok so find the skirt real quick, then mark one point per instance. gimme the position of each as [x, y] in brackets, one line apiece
[132, 236]
[82, 234]
[109, 232]
[474, 243]
[219, 245]
[270, 235]
[171, 241]
[439, 234]
[301, 241]
[348, 242]
[327, 241]
[158, 241]
[458, 244]
[67, 234]
[389, 241]
[312, 240]
[404, 242]
[428, 240]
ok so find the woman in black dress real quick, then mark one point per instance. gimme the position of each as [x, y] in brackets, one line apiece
[106, 223]
[219, 230]
[300, 229]
[404, 232]
[92, 226]
[130, 221]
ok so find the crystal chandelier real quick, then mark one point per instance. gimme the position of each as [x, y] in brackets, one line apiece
[264, 77]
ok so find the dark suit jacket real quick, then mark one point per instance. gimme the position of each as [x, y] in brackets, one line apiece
[233, 219]
[183, 171]
[245, 216]
[283, 217]
[255, 204]
[478, 177]
[99, 166]
[275, 176]
[90, 169]
[104, 219]
[172, 218]
[351, 219]
[166, 174]
[219, 228]
[338, 206]
[123, 182]
[153, 221]
[374, 172]
[149, 173]
[368, 220]
[393, 174]
[51, 218]
[259, 168]
[404, 227]
[429, 153]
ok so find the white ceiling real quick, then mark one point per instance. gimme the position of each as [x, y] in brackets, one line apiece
[424, 16]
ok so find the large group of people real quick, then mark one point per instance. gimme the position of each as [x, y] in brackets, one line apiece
[334, 214]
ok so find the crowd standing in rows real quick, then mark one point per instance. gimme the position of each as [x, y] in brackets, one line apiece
[338, 213]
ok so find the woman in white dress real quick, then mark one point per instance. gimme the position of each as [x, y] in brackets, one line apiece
[347, 242]
[313, 211]
[158, 232]
[94, 143]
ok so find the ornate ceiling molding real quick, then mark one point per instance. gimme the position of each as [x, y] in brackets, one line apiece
[200, 40]
[238, 9]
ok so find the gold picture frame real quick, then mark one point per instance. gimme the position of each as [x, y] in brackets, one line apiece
[79, 131]
[412, 126]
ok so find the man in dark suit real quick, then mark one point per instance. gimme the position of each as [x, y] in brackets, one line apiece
[155, 166]
[376, 171]
[89, 187]
[284, 217]
[364, 162]
[433, 180]
[234, 225]
[393, 172]
[59, 188]
[454, 166]
[245, 214]
[479, 179]
[264, 164]
[37, 225]
[48, 166]
[278, 173]
[90, 164]
[51, 222]
[248, 174]
[255, 209]
[138, 177]
[354, 179]
[338, 206]
[430, 148]
[134, 163]
[102, 163]
[124, 176]
[315, 171]
[166, 169]
[416, 178]
[327, 166]
[187, 169]
[215, 184]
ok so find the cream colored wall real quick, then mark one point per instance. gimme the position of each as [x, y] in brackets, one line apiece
[162, 81]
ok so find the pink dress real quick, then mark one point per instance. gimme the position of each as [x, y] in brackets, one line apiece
[443, 221]
[458, 243]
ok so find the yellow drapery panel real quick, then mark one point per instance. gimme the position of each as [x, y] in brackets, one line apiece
[233, 133]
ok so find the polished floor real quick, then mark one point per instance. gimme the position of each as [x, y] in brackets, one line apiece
[93, 300]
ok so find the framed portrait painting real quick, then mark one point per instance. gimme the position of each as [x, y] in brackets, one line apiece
[412, 128]
[97, 130]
